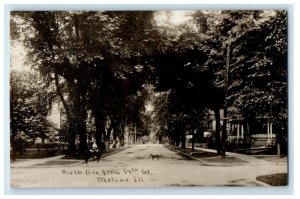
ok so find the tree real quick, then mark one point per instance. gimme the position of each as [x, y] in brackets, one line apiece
[118, 78]
[244, 40]
[216, 60]
[85, 62]
[264, 92]
[181, 71]
[30, 103]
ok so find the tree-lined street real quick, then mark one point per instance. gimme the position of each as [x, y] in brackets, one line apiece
[213, 79]
[134, 167]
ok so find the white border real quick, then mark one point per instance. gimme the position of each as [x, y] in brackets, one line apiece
[294, 93]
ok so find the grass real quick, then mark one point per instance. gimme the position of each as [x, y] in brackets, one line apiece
[57, 162]
[208, 156]
[203, 154]
[225, 160]
[34, 156]
[279, 179]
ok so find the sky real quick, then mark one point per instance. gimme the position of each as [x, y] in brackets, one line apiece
[17, 57]
[175, 18]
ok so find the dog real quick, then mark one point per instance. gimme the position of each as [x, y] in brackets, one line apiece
[154, 156]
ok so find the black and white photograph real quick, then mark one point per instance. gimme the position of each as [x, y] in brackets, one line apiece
[148, 98]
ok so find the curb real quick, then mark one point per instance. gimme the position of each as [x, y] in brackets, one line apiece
[116, 151]
[205, 163]
[262, 183]
[188, 156]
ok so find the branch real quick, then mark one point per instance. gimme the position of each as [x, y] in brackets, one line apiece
[61, 96]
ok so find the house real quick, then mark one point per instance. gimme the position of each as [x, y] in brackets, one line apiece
[260, 129]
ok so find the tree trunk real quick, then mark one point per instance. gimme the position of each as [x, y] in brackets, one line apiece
[122, 141]
[114, 144]
[278, 141]
[218, 129]
[71, 138]
[82, 136]
[100, 129]
[115, 134]
[135, 133]
[177, 140]
[183, 140]
[76, 116]
[107, 136]
[224, 134]
[121, 137]
[13, 144]
[247, 135]
[278, 150]
[108, 133]
[193, 140]
[172, 141]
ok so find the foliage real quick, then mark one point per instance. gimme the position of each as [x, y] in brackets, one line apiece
[102, 64]
[182, 74]
[30, 103]
[258, 60]
[95, 68]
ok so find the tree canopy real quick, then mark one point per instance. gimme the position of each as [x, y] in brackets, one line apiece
[103, 63]
[30, 104]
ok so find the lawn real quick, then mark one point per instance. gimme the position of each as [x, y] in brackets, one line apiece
[58, 162]
[279, 179]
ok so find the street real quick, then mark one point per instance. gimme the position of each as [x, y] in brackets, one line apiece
[134, 167]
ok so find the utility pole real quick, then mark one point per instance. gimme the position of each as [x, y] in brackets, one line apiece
[193, 139]
[224, 130]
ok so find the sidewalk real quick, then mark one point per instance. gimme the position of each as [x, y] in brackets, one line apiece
[58, 160]
[217, 160]
[31, 162]
[248, 158]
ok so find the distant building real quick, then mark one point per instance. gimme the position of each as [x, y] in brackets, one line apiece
[260, 130]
